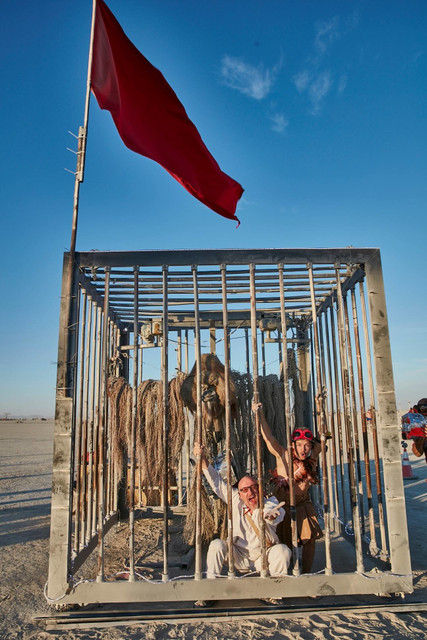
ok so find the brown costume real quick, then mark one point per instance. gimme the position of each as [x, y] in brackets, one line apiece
[305, 451]
[308, 528]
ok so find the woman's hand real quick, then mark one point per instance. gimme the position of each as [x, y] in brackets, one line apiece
[256, 406]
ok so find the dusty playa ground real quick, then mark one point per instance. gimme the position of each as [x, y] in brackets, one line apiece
[25, 482]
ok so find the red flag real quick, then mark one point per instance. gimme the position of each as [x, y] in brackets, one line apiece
[151, 120]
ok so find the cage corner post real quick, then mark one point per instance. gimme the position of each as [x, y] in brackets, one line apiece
[388, 422]
[63, 449]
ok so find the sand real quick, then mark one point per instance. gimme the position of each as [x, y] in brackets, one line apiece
[25, 481]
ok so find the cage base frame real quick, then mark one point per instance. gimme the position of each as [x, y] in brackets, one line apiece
[238, 588]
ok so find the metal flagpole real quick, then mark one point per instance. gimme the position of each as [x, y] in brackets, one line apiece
[82, 139]
[79, 175]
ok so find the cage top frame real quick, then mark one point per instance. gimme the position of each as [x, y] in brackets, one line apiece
[121, 265]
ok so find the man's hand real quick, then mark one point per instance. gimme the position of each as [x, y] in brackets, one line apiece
[256, 406]
[273, 511]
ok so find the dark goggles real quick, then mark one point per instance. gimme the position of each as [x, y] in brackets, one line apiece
[302, 434]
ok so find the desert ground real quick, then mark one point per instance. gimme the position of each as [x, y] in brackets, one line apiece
[25, 483]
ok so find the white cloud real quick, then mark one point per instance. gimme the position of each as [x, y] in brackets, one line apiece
[315, 81]
[342, 83]
[319, 89]
[302, 80]
[255, 82]
[280, 122]
[326, 33]
[316, 85]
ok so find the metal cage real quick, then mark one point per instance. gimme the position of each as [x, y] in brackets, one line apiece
[130, 313]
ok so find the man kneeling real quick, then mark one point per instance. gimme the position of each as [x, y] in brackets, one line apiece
[246, 528]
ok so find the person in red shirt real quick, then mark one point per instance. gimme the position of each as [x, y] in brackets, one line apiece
[419, 445]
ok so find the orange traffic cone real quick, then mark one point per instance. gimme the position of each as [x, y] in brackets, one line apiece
[406, 465]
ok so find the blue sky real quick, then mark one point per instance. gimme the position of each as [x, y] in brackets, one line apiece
[317, 108]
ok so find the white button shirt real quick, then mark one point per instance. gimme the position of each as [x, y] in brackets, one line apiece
[244, 535]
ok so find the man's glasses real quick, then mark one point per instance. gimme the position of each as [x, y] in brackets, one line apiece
[253, 488]
[422, 407]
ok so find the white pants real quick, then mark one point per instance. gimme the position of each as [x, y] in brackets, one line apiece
[278, 559]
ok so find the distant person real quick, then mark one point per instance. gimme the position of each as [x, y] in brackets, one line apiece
[246, 529]
[305, 453]
[419, 445]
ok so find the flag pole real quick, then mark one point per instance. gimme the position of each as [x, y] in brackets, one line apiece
[82, 139]
[64, 384]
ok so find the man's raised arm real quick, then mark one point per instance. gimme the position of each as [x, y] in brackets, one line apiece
[212, 476]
